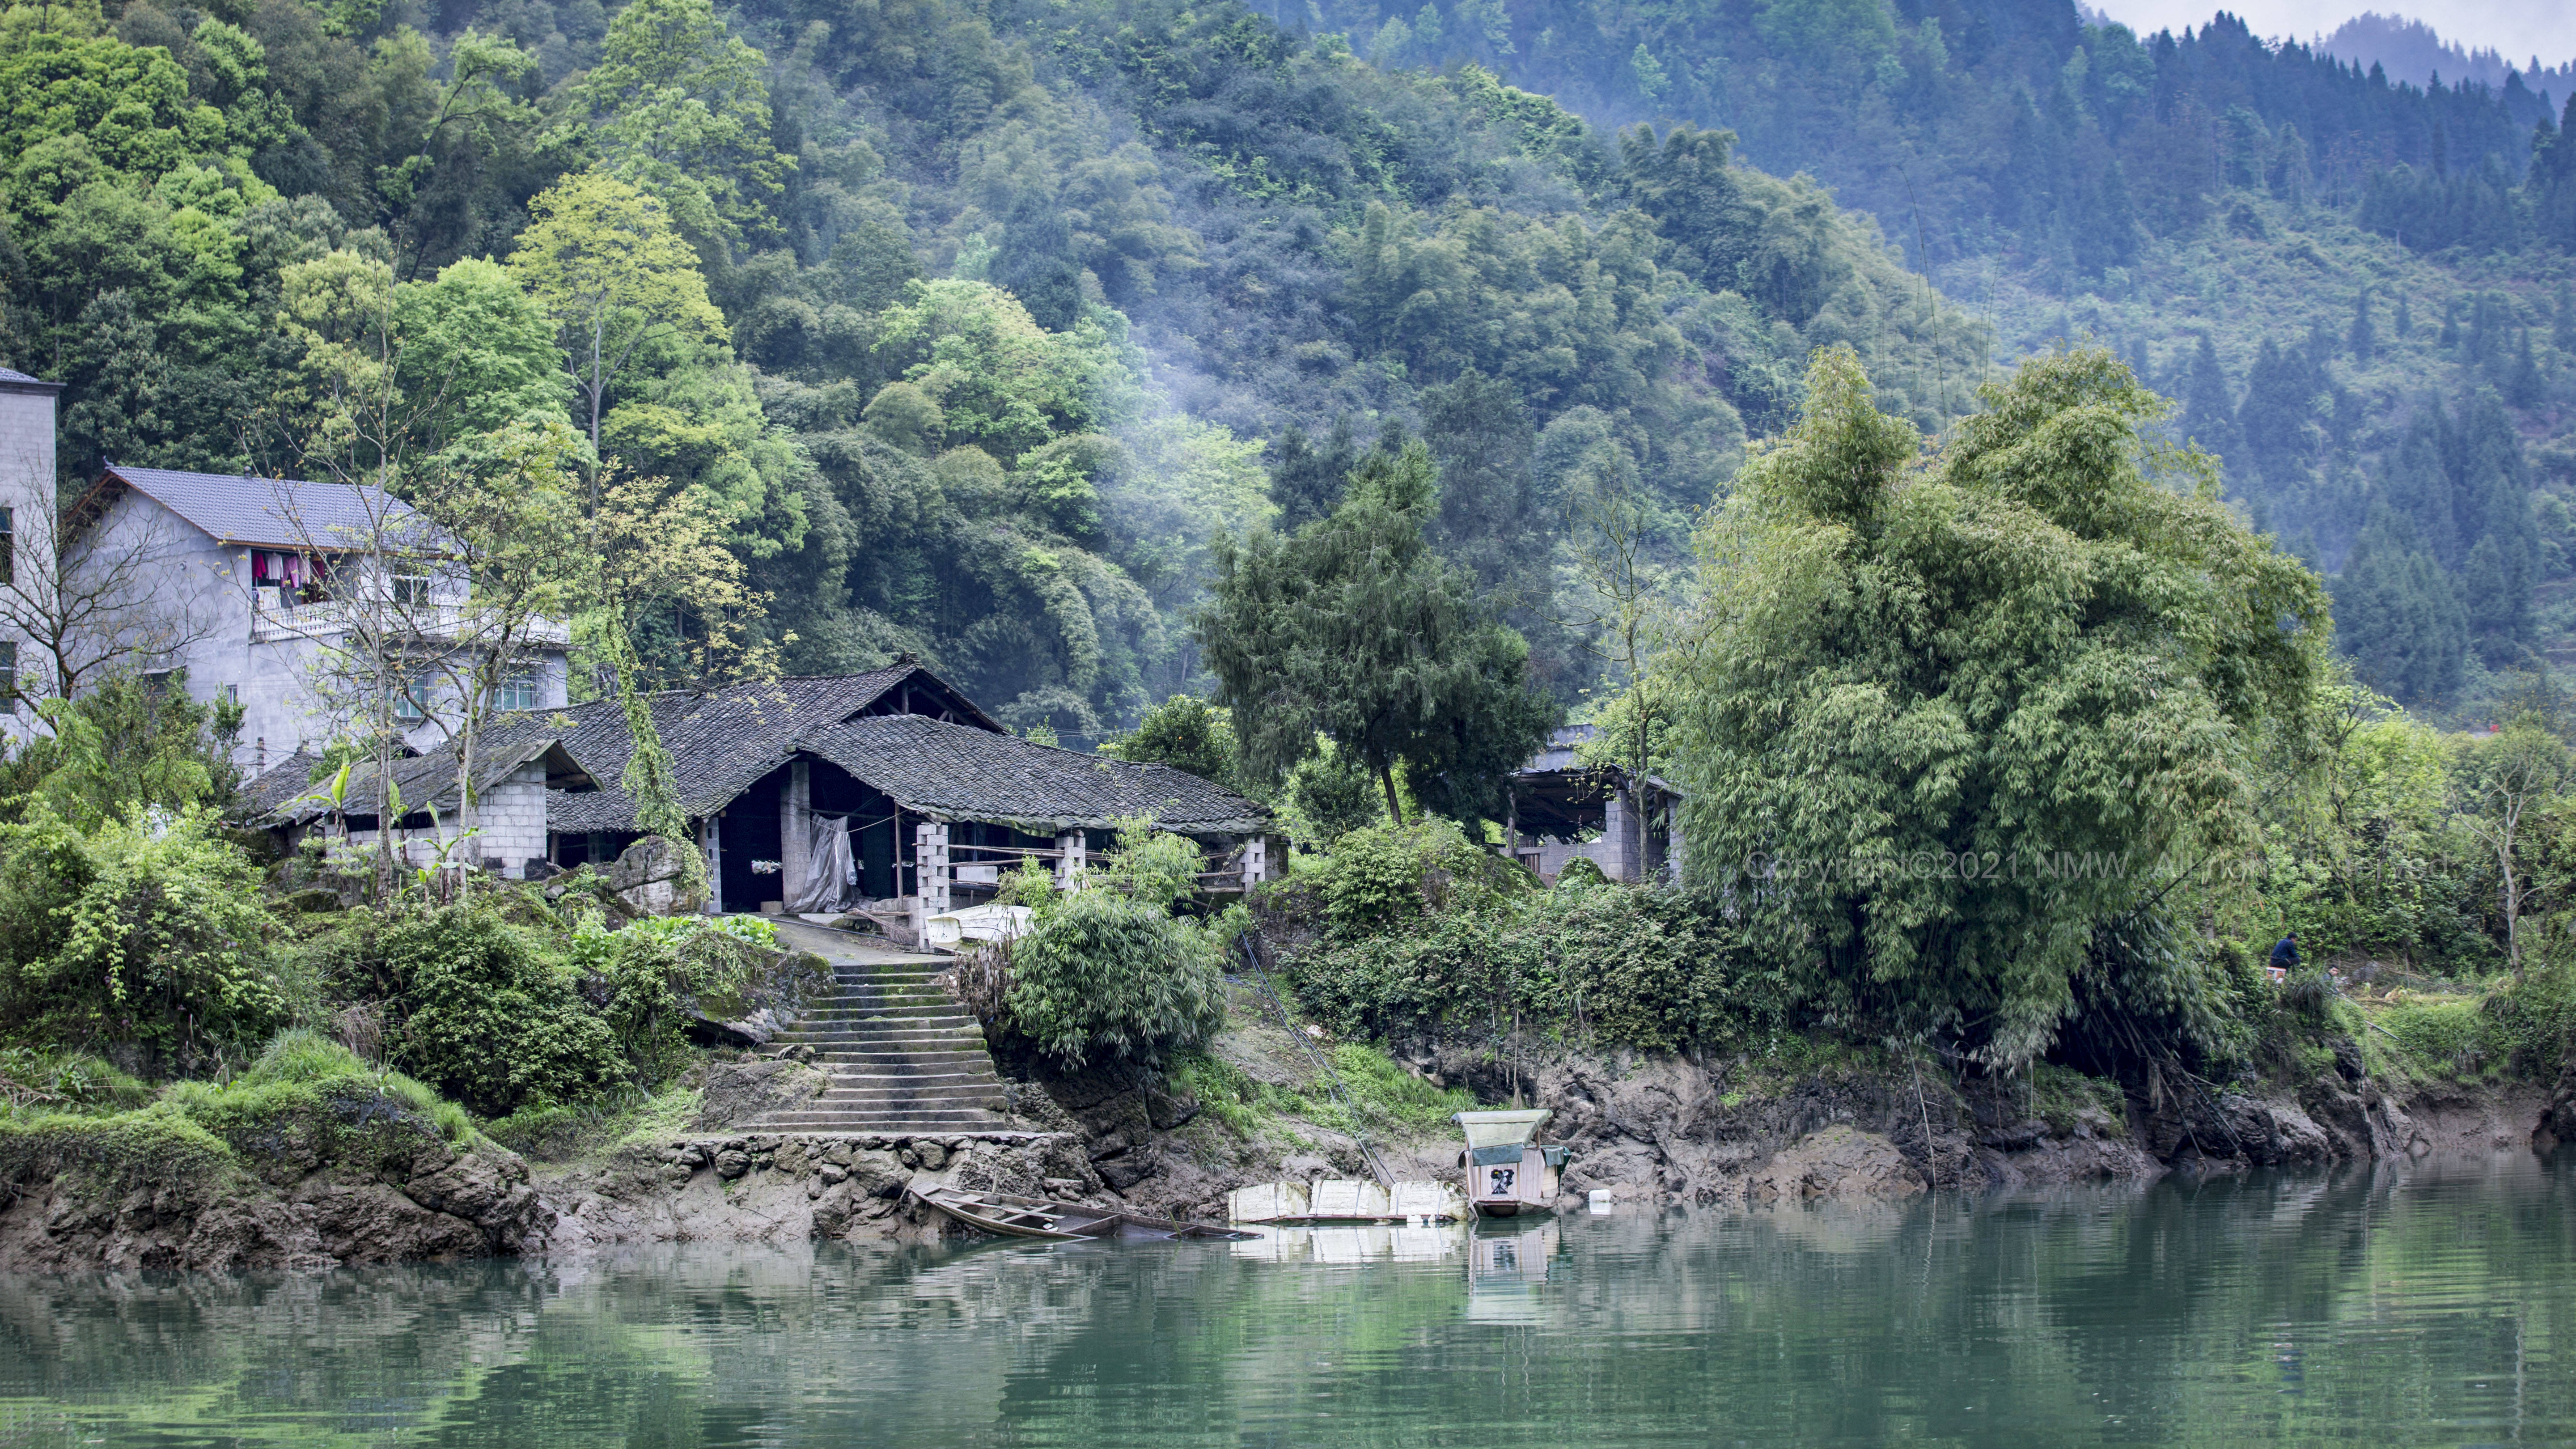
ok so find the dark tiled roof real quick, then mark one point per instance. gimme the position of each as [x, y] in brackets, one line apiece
[12, 380]
[427, 782]
[722, 741]
[719, 741]
[280, 512]
[954, 773]
[280, 783]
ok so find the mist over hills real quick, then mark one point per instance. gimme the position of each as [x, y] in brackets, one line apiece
[1268, 241]
[2413, 51]
[2334, 271]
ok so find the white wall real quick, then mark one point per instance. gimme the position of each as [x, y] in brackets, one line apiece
[26, 482]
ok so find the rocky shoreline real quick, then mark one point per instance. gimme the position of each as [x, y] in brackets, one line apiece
[1650, 1128]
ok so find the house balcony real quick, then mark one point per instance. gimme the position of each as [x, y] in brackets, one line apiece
[273, 622]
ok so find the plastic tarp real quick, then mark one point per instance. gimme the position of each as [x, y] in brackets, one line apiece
[830, 871]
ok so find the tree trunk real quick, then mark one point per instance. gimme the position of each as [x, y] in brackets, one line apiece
[1386, 781]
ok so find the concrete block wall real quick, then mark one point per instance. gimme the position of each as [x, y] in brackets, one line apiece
[512, 817]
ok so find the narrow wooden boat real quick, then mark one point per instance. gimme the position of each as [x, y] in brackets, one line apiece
[1035, 1217]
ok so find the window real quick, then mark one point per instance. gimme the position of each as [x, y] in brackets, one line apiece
[411, 591]
[8, 546]
[229, 694]
[8, 671]
[156, 682]
[407, 704]
[519, 692]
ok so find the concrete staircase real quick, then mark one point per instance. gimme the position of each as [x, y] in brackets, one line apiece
[903, 1058]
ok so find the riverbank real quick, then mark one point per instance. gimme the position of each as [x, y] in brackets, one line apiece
[314, 1160]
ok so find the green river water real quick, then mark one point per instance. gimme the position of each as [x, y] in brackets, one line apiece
[2432, 1305]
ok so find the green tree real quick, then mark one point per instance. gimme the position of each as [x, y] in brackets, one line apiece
[683, 114]
[601, 257]
[1354, 628]
[1941, 721]
[1186, 733]
[2502, 782]
[479, 352]
[124, 745]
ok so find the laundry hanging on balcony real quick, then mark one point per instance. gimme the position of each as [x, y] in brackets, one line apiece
[293, 575]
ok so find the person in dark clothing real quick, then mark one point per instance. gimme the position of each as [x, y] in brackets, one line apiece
[2285, 953]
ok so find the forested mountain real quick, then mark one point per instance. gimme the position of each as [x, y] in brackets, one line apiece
[2356, 287]
[987, 320]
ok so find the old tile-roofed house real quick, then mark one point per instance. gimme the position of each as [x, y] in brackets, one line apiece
[889, 789]
[1564, 808]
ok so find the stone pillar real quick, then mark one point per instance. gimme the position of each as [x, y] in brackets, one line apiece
[1256, 861]
[795, 830]
[930, 869]
[1617, 857]
[711, 844]
[1072, 855]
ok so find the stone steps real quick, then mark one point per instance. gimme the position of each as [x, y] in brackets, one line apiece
[902, 1059]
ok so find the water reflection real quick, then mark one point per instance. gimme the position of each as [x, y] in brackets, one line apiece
[2430, 1304]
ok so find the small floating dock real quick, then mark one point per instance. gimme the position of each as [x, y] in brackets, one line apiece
[1344, 1200]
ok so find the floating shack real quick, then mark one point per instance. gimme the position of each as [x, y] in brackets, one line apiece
[1508, 1170]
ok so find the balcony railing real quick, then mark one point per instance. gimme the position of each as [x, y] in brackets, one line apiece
[271, 621]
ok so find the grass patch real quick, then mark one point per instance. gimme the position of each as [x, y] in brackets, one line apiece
[1223, 1091]
[125, 1150]
[1383, 1098]
[1387, 1096]
[2439, 1038]
[51, 1082]
[2062, 1096]
[558, 1135]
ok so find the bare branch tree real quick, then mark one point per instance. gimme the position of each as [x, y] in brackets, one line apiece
[92, 594]
[1611, 528]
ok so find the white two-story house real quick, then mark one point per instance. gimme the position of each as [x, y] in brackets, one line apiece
[318, 607]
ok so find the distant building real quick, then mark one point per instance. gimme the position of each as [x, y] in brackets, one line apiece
[888, 792]
[1563, 809]
[251, 583]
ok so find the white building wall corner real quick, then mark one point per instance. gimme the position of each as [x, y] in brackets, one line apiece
[27, 467]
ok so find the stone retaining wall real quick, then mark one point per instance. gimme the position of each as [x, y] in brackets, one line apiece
[769, 1185]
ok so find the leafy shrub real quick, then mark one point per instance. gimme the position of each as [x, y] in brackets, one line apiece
[1580, 873]
[147, 928]
[1105, 972]
[488, 1019]
[645, 977]
[1640, 967]
[1385, 873]
[1152, 867]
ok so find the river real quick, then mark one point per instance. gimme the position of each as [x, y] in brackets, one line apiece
[2430, 1305]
